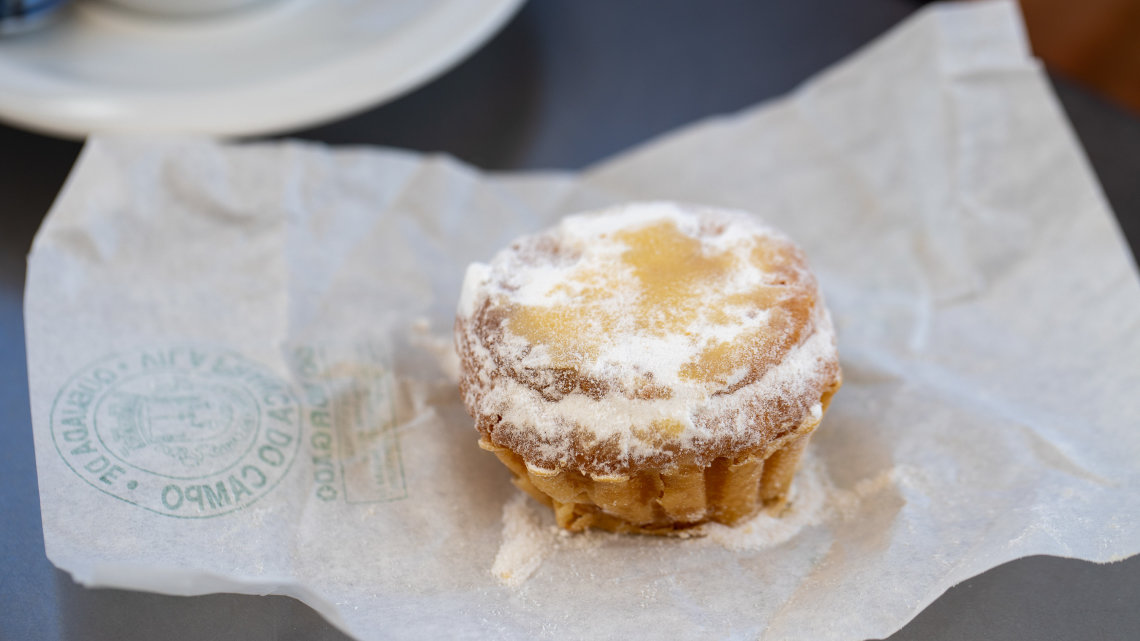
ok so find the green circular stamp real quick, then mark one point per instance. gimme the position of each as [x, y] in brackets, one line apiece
[189, 432]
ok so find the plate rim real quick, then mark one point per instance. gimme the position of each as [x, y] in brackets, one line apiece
[464, 25]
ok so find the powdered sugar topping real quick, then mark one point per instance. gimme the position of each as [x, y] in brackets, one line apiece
[637, 324]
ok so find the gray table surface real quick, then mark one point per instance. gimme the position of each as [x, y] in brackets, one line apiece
[567, 83]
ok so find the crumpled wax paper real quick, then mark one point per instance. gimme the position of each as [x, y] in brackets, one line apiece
[239, 372]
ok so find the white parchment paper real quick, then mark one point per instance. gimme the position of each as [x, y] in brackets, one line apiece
[236, 381]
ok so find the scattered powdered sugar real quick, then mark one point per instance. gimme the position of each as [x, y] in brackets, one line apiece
[813, 500]
[807, 505]
[527, 538]
[530, 535]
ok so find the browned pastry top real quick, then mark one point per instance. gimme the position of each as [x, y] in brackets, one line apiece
[644, 335]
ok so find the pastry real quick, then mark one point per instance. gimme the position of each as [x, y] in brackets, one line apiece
[649, 367]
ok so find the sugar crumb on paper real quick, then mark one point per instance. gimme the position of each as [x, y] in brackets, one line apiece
[529, 536]
[526, 540]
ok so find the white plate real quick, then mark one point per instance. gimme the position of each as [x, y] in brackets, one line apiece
[281, 65]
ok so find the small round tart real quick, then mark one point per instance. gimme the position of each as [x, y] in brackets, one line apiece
[648, 367]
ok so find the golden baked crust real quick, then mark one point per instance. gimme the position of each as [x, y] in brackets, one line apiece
[552, 339]
[666, 501]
